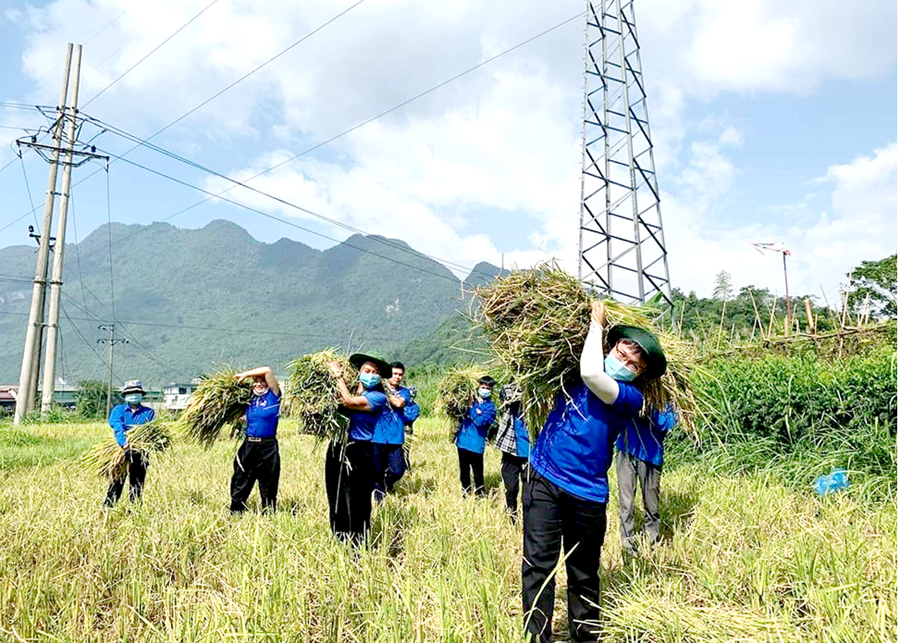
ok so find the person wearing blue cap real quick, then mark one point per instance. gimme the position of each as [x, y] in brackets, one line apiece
[350, 465]
[472, 435]
[639, 456]
[258, 458]
[122, 418]
[567, 489]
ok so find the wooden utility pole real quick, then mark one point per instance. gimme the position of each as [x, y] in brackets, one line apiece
[27, 374]
[56, 281]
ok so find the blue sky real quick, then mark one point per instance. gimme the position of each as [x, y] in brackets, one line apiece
[772, 121]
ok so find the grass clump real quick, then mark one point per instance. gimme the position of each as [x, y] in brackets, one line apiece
[537, 321]
[110, 461]
[219, 402]
[312, 397]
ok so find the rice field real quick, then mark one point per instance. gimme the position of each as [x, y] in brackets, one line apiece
[744, 559]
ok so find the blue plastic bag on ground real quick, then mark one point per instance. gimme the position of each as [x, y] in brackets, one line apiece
[837, 480]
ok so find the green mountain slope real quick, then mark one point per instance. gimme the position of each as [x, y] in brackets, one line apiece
[189, 300]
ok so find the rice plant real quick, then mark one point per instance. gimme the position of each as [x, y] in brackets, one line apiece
[218, 403]
[311, 396]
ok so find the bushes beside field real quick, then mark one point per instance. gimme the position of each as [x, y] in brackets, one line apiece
[800, 415]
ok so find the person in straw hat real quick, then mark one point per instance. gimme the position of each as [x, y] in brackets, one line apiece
[258, 459]
[567, 489]
[122, 418]
[350, 465]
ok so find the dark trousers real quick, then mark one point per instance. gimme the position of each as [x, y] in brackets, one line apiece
[555, 518]
[629, 471]
[474, 462]
[512, 470]
[390, 465]
[257, 460]
[349, 482]
[137, 473]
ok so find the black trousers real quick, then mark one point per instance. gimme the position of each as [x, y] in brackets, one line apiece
[349, 482]
[512, 470]
[474, 462]
[390, 465]
[257, 460]
[137, 473]
[554, 518]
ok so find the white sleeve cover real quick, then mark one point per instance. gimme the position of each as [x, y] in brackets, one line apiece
[602, 385]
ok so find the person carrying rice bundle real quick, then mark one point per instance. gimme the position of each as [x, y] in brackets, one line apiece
[390, 431]
[567, 490]
[257, 459]
[514, 443]
[350, 464]
[122, 418]
[472, 435]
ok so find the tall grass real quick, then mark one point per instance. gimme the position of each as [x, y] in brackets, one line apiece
[744, 558]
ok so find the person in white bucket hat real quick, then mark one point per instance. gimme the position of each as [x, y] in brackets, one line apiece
[123, 418]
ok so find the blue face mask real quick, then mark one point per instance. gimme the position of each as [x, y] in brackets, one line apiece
[484, 393]
[134, 398]
[369, 380]
[617, 370]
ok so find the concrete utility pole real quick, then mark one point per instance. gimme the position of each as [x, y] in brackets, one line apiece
[56, 281]
[27, 374]
[111, 341]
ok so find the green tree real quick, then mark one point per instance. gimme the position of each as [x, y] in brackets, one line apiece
[873, 284]
[90, 399]
[722, 290]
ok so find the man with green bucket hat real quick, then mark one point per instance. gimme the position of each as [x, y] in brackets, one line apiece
[567, 489]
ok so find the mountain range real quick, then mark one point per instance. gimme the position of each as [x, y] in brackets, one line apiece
[191, 301]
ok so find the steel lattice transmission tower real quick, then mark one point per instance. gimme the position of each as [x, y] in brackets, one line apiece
[621, 244]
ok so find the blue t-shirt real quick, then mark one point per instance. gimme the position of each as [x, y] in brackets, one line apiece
[643, 437]
[262, 415]
[575, 447]
[389, 426]
[362, 423]
[473, 429]
[123, 417]
[523, 440]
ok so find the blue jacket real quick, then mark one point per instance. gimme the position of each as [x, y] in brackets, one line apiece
[643, 438]
[389, 426]
[410, 410]
[122, 418]
[473, 429]
[575, 447]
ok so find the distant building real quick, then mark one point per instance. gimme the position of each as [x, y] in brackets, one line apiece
[8, 399]
[176, 396]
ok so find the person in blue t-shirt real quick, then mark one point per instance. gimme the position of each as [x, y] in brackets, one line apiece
[472, 434]
[350, 466]
[257, 459]
[639, 456]
[567, 490]
[514, 443]
[390, 431]
[122, 418]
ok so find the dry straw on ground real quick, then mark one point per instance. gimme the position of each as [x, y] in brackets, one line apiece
[219, 402]
[108, 460]
[537, 321]
[312, 397]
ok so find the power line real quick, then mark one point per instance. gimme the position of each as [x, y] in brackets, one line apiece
[256, 69]
[213, 329]
[153, 51]
[83, 339]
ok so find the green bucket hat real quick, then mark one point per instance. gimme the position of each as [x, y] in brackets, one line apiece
[653, 352]
[384, 369]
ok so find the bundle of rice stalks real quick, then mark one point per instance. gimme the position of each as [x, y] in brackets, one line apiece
[537, 321]
[312, 396]
[456, 391]
[108, 460]
[219, 402]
